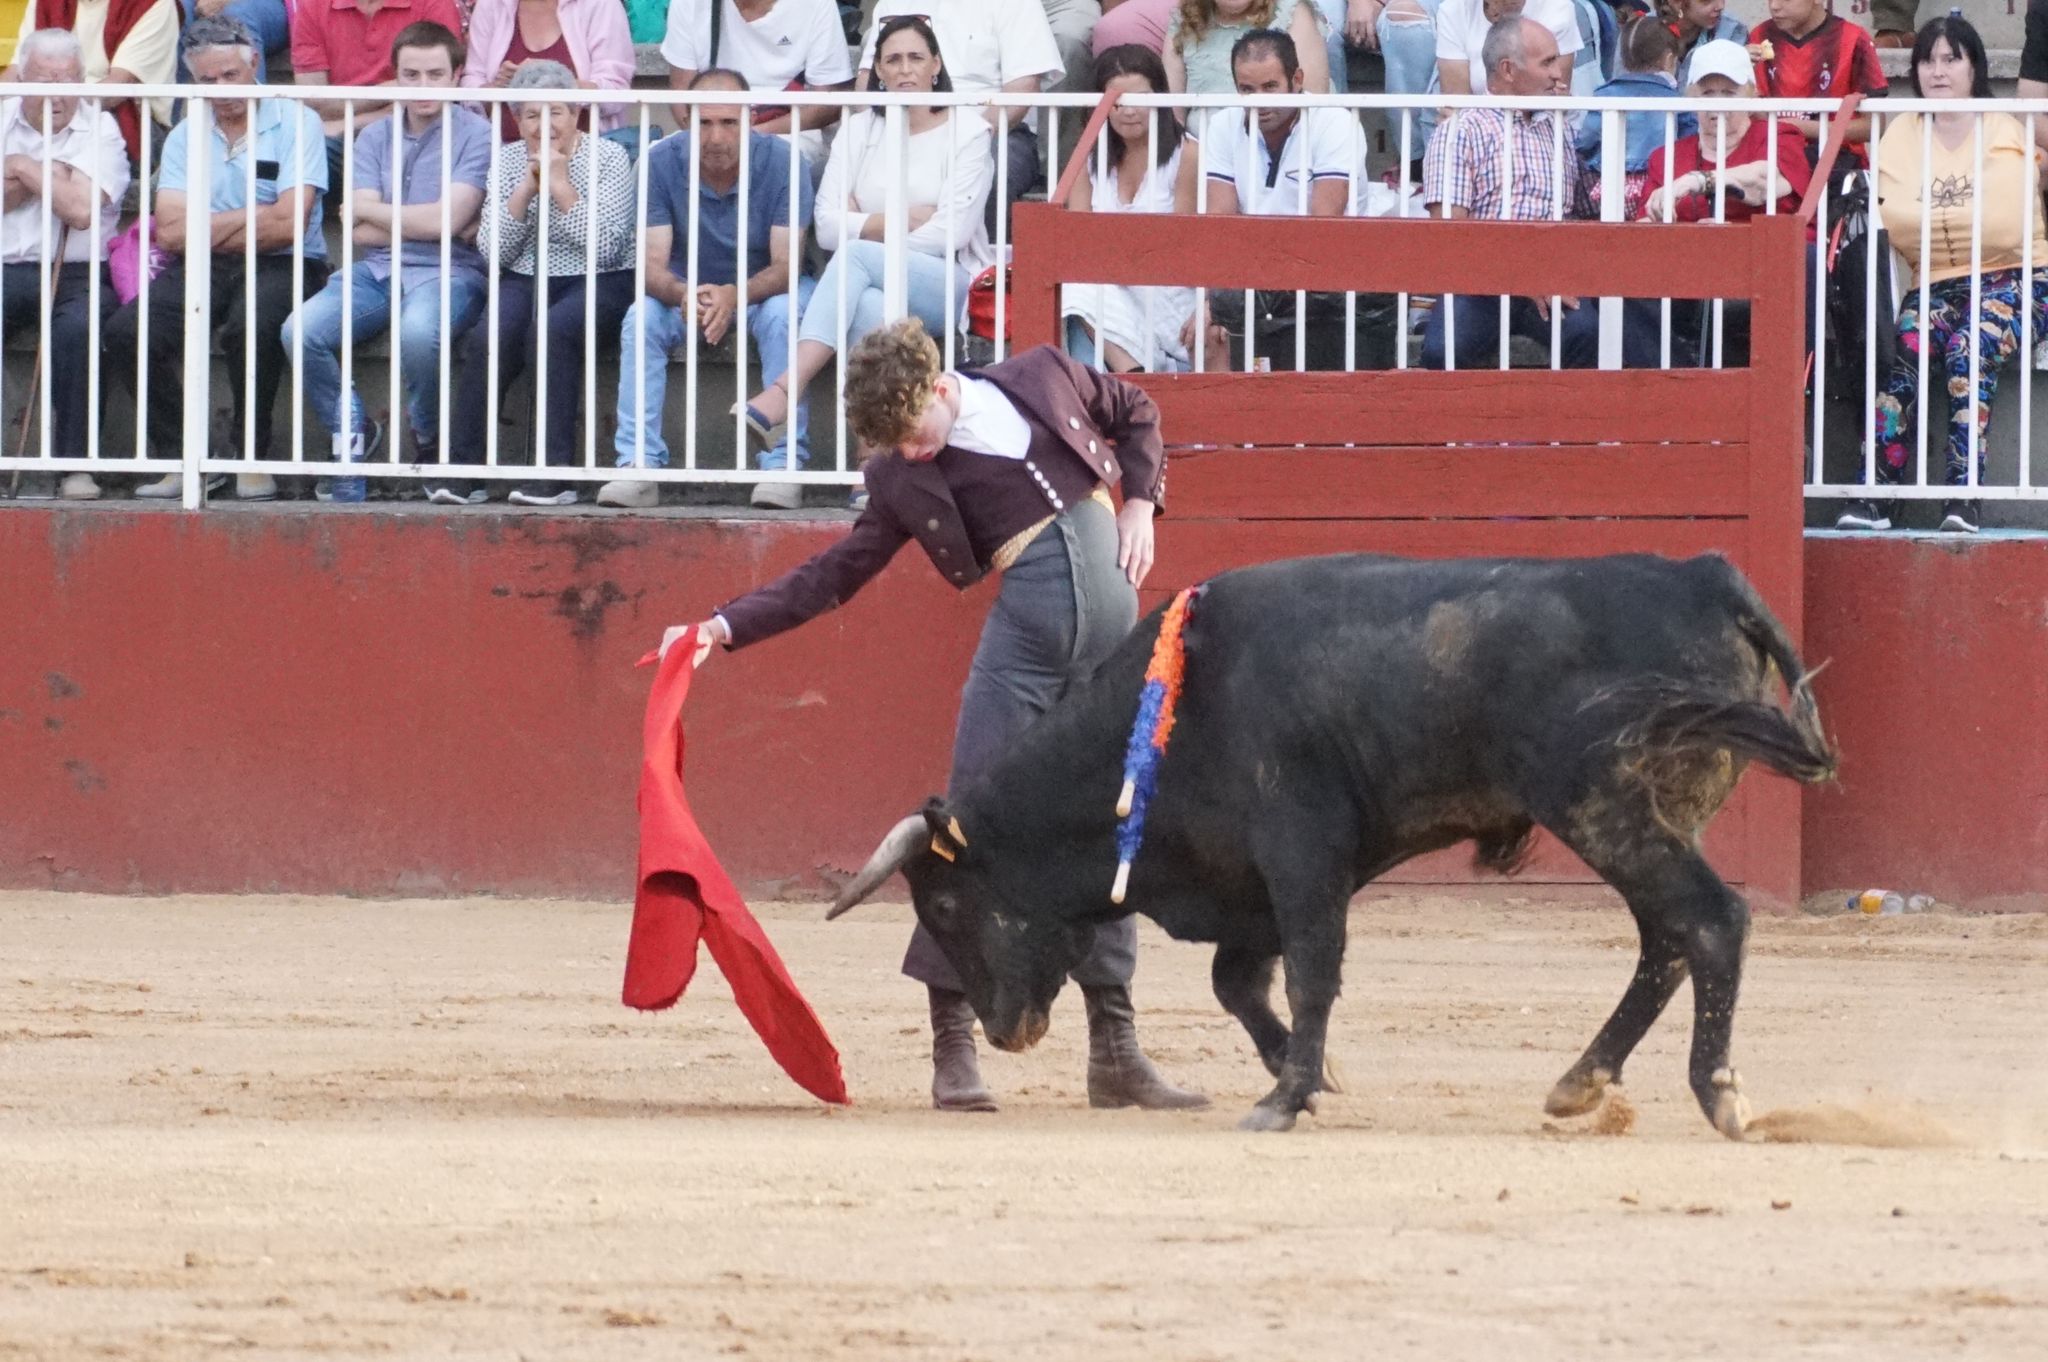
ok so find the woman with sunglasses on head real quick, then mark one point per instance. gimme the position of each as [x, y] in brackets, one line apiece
[947, 166]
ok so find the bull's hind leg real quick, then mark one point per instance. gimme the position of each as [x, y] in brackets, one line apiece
[1679, 903]
[1243, 979]
[1660, 967]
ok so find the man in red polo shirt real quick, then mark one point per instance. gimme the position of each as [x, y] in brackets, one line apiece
[348, 42]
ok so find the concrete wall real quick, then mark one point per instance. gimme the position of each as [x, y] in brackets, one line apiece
[403, 701]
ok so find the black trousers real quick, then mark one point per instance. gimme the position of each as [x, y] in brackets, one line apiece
[67, 353]
[275, 301]
[569, 347]
[1022, 154]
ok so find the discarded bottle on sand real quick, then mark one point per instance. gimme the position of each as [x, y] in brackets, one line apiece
[1878, 902]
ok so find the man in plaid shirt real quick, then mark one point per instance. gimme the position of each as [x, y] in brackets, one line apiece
[1462, 178]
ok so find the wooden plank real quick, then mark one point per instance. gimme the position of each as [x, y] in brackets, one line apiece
[1488, 481]
[1388, 255]
[1412, 406]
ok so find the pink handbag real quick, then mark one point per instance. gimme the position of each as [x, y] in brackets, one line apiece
[125, 260]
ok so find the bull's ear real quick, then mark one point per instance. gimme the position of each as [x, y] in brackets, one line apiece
[949, 839]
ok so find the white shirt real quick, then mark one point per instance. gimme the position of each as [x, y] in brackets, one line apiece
[1461, 31]
[91, 136]
[1323, 144]
[988, 423]
[953, 175]
[985, 44]
[795, 39]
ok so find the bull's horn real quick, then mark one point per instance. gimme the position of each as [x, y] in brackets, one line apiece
[896, 848]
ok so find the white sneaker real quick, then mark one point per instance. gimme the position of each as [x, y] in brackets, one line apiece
[778, 496]
[255, 487]
[79, 487]
[169, 487]
[636, 496]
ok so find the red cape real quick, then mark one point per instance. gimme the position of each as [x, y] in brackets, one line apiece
[684, 895]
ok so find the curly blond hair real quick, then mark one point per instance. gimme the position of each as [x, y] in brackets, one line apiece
[890, 375]
[1197, 15]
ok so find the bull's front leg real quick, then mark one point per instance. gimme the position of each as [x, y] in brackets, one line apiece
[1312, 938]
[1243, 979]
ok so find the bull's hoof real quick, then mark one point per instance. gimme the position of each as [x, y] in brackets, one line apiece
[1729, 1110]
[1577, 1093]
[1264, 1119]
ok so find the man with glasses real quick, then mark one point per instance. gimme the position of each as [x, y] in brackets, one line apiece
[405, 204]
[277, 144]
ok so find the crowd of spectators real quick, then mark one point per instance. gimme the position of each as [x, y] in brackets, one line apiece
[803, 274]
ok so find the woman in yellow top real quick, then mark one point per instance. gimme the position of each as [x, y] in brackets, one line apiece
[1927, 192]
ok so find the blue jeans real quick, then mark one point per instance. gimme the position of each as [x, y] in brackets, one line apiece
[269, 20]
[1409, 51]
[654, 330]
[1333, 13]
[1478, 332]
[862, 262]
[419, 341]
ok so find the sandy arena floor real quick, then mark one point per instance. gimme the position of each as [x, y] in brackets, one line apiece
[297, 1128]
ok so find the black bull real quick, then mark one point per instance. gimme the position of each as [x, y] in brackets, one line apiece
[1341, 715]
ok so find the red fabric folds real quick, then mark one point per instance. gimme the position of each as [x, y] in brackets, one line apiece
[684, 895]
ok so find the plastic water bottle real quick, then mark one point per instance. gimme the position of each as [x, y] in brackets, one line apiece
[1879, 902]
[349, 449]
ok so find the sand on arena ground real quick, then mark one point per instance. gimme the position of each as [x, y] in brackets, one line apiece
[317, 1128]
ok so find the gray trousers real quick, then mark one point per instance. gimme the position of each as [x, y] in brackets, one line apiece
[1063, 607]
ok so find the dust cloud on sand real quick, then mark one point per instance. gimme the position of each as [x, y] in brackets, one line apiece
[297, 1128]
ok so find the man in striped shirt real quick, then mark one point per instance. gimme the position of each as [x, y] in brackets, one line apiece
[1515, 166]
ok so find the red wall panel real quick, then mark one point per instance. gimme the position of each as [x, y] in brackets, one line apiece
[402, 702]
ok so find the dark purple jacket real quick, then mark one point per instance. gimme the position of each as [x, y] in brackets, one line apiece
[1088, 429]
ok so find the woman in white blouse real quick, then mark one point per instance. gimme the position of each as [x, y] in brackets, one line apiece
[1135, 169]
[511, 237]
[947, 170]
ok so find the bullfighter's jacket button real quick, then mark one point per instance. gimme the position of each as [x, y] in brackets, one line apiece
[1092, 447]
[931, 524]
[1073, 423]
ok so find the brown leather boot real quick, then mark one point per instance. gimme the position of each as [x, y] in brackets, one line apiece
[1119, 1075]
[956, 1075]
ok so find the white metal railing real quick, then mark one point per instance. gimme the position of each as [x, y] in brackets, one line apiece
[1847, 431]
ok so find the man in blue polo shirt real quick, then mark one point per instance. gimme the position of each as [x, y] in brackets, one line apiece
[423, 55]
[290, 154]
[777, 213]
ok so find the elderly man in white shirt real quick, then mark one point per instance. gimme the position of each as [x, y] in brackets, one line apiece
[63, 165]
[1461, 27]
[989, 47]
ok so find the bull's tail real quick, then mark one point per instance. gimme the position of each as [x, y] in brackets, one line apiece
[1674, 715]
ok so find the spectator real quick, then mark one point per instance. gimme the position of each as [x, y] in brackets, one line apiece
[1724, 172]
[1127, 22]
[269, 21]
[1281, 162]
[989, 46]
[1697, 23]
[121, 42]
[715, 297]
[1804, 51]
[1927, 203]
[1462, 179]
[772, 45]
[425, 55]
[1462, 26]
[948, 167]
[49, 215]
[348, 42]
[1114, 327]
[1202, 39]
[1649, 55]
[1404, 33]
[1073, 26]
[2033, 83]
[1892, 21]
[589, 38]
[291, 174]
[533, 292]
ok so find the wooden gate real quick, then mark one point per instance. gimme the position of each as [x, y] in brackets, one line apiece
[1475, 462]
